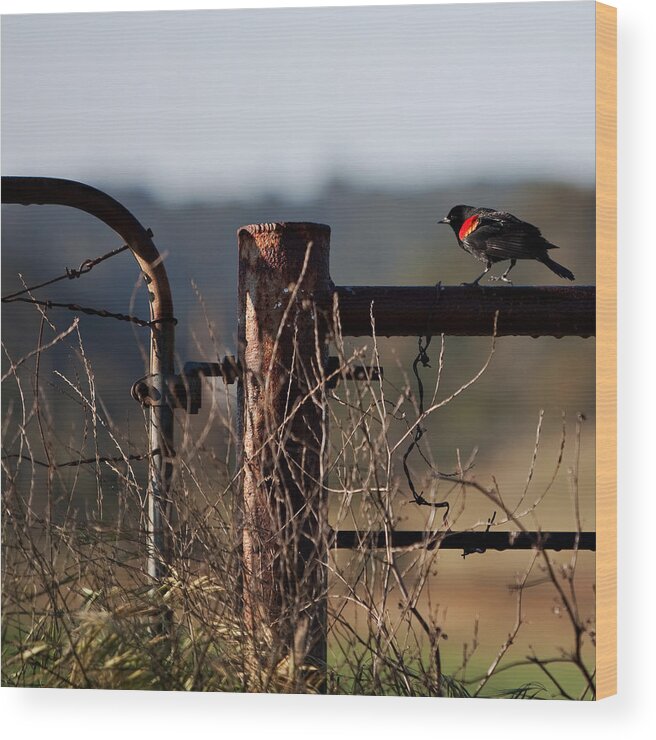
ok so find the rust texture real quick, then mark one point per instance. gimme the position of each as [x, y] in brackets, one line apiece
[283, 268]
[465, 311]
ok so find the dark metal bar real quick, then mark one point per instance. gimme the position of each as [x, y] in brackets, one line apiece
[465, 311]
[55, 191]
[469, 542]
[283, 352]
[335, 372]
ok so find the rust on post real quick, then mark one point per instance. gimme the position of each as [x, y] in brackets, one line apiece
[283, 269]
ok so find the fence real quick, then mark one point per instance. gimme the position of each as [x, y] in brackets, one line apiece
[288, 308]
[289, 312]
[54, 191]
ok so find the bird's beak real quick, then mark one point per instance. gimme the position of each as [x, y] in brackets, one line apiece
[445, 220]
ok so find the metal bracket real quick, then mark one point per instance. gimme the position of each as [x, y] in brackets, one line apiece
[183, 391]
[356, 372]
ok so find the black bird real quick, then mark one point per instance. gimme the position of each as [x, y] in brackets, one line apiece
[493, 236]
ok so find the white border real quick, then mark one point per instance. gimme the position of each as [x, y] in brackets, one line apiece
[56, 714]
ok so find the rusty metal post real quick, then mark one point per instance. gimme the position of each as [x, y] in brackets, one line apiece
[283, 268]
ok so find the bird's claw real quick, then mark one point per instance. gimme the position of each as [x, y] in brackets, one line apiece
[475, 284]
[502, 278]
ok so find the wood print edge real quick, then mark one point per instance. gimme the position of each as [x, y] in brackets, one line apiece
[606, 361]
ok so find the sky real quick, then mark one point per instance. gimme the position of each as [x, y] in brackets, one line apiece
[239, 103]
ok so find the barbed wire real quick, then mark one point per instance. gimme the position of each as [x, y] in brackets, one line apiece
[84, 461]
[72, 273]
[103, 313]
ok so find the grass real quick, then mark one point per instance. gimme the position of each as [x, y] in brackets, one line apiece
[81, 611]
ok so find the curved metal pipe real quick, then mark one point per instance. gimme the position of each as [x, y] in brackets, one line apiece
[55, 191]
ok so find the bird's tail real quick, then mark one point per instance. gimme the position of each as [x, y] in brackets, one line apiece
[561, 271]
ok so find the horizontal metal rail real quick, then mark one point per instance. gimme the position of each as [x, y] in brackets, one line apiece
[469, 542]
[467, 311]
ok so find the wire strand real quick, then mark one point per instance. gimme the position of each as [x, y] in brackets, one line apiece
[70, 274]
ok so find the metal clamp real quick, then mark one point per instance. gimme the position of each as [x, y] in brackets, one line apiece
[183, 391]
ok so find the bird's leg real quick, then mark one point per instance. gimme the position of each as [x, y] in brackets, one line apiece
[504, 277]
[475, 283]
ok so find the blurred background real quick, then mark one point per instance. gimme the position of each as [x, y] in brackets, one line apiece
[373, 120]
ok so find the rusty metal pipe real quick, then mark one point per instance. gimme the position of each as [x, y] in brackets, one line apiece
[469, 542]
[55, 191]
[465, 311]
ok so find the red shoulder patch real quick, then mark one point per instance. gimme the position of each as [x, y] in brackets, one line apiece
[467, 227]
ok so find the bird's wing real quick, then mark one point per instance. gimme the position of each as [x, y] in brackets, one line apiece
[509, 238]
[507, 221]
[490, 215]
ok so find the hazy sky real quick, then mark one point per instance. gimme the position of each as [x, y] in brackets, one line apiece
[231, 103]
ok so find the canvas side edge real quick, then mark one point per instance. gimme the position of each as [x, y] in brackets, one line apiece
[606, 360]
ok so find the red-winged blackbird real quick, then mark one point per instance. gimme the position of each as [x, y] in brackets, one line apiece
[493, 236]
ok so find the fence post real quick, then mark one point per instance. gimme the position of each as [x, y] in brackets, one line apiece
[283, 271]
